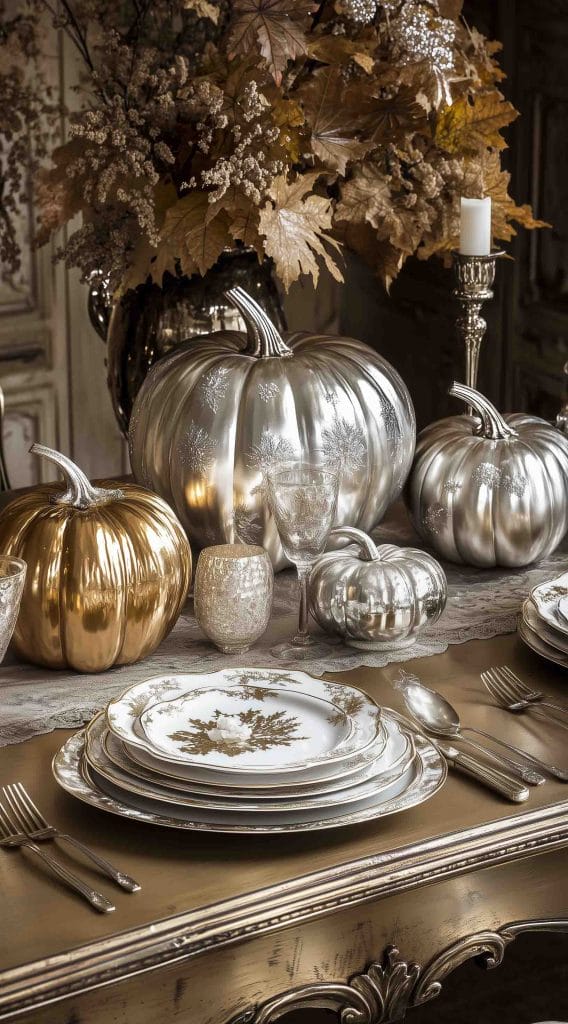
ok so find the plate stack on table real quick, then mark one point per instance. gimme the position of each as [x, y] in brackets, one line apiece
[248, 750]
[543, 624]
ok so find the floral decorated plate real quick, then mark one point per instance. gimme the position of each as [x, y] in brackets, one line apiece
[546, 598]
[251, 729]
[306, 728]
[420, 782]
[212, 800]
[395, 755]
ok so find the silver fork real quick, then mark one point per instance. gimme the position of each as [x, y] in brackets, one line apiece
[11, 836]
[509, 695]
[32, 822]
[501, 697]
[520, 692]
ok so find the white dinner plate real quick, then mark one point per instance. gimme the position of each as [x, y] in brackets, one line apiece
[535, 624]
[532, 640]
[422, 781]
[251, 685]
[211, 800]
[249, 729]
[546, 598]
[396, 754]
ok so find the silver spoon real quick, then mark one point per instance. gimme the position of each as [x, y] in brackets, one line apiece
[437, 716]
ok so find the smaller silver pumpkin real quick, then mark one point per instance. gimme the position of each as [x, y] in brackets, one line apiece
[376, 598]
[489, 489]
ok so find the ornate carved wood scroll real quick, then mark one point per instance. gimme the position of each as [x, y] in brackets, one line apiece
[384, 992]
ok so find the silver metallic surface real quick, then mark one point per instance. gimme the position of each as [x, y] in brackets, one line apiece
[507, 696]
[474, 283]
[80, 492]
[212, 417]
[490, 490]
[376, 597]
[436, 715]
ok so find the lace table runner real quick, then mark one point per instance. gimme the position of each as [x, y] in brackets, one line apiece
[481, 603]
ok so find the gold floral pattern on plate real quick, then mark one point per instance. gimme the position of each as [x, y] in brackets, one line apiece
[128, 721]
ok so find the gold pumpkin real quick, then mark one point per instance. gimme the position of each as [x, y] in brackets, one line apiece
[108, 570]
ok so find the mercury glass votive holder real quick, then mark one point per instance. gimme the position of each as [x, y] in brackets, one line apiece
[12, 579]
[233, 595]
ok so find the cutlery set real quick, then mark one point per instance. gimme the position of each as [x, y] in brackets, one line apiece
[508, 776]
[23, 826]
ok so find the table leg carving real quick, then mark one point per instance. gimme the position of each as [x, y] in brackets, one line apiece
[384, 992]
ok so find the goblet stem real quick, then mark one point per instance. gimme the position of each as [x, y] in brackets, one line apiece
[303, 636]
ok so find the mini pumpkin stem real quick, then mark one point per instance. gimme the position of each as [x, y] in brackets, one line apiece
[80, 491]
[264, 341]
[493, 425]
[366, 545]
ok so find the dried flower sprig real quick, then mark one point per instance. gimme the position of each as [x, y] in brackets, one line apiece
[288, 126]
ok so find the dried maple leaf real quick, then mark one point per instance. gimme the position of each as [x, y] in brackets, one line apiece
[394, 117]
[243, 225]
[189, 237]
[335, 113]
[363, 195]
[471, 124]
[295, 226]
[275, 27]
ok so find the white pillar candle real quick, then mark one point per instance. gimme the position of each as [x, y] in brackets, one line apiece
[475, 227]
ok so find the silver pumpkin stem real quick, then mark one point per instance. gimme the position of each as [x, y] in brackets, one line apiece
[264, 341]
[493, 426]
[367, 547]
[80, 491]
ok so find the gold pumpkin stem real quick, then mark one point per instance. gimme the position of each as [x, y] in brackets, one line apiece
[80, 491]
[264, 341]
[367, 547]
[493, 426]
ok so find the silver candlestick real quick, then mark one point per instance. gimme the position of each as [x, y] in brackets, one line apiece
[474, 277]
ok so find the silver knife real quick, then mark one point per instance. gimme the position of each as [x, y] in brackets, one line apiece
[485, 773]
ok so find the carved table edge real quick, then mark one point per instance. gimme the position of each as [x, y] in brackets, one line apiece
[171, 940]
[387, 988]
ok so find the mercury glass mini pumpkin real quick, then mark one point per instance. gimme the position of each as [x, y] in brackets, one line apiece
[108, 570]
[377, 597]
[214, 416]
[489, 489]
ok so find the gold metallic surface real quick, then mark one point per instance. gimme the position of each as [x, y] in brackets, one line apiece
[105, 582]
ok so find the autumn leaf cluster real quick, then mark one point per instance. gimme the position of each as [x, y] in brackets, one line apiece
[295, 128]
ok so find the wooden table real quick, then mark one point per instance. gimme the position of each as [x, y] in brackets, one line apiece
[236, 928]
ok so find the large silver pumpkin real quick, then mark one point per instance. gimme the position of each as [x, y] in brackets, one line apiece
[489, 489]
[216, 414]
[376, 598]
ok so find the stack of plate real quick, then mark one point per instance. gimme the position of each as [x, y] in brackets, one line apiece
[544, 621]
[247, 750]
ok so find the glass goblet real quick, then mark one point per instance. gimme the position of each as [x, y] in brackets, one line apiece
[303, 499]
[12, 579]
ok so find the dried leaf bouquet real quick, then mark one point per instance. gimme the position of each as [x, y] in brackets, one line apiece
[289, 126]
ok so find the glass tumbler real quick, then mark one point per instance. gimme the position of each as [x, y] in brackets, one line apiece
[233, 594]
[12, 579]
